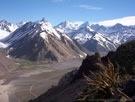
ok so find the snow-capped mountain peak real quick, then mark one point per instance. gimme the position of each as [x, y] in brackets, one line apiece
[68, 27]
[40, 41]
[85, 24]
[7, 26]
[46, 26]
[43, 20]
[69, 24]
[4, 22]
[32, 29]
[84, 33]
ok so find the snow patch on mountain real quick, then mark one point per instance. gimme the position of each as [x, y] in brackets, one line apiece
[46, 26]
[3, 34]
[3, 45]
[105, 41]
[44, 36]
[82, 38]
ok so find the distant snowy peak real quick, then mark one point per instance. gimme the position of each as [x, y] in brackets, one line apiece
[80, 31]
[85, 25]
[83, 34]
[124, 21]
[2, 45]
[107, 30]
[67, 27]
[101, 43]
[7, 26]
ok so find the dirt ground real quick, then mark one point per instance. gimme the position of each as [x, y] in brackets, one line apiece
[31, 81]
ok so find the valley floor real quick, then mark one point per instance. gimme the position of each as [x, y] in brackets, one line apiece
[31, 81]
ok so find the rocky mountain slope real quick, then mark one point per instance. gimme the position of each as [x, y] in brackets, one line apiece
[6, 65]
[40, 41]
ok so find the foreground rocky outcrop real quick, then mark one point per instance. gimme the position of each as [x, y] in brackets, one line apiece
[69, 92]
[88, 64]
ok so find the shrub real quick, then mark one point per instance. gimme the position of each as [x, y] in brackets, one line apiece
[102, 84]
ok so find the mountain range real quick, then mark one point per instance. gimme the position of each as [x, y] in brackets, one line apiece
[99, 38]
[39, 40]
[117, 32]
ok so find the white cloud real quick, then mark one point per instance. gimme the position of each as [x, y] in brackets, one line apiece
[90, 7]
[124, 21]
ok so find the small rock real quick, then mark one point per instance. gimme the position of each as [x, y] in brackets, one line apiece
[130, 88]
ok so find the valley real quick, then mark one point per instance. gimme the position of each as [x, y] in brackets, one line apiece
[30, 81]
[36, 57]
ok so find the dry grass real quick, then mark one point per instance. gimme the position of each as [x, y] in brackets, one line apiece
[103, 84]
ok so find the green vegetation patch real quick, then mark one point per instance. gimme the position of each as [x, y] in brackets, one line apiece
[30, 64]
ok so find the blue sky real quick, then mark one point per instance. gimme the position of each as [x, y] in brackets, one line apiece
[56, 11]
